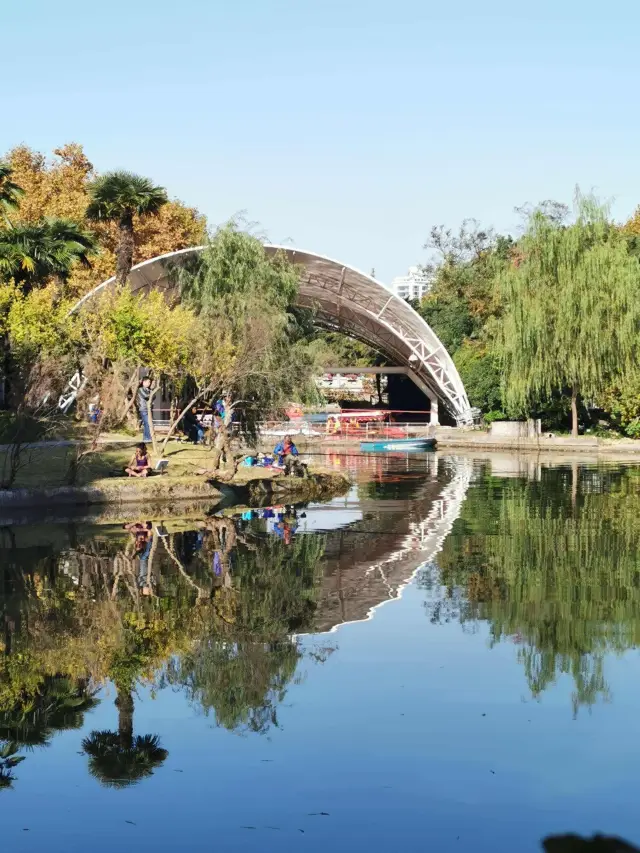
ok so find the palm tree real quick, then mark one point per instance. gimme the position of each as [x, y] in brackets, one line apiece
[118, 197]
[31, 253]
[118, 759]
[10, 192]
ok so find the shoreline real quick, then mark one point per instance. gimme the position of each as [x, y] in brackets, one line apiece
[117, 492]
[450, 439]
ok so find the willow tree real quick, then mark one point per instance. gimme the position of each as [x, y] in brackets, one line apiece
[247, 296]
[572, 310]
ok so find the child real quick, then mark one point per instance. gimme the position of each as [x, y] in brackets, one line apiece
[140, 465]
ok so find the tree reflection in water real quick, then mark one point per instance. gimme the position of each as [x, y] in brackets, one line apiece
[552, 565]
[211, 611]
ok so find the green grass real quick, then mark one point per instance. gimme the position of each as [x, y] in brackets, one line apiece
[49, 467]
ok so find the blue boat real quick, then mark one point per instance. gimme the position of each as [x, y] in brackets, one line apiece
[404, 445]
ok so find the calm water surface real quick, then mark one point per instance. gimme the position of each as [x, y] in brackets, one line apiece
[444, 659]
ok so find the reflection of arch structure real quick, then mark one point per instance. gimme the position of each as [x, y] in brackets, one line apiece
[351, 302]
[372, 584]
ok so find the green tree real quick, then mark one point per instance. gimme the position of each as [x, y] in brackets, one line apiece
[622, 402]
[571, 310]
[247, 297]
[10, 192]
[463, 307]
[450, 318]
[119, 197]
[480, 371]
[31, 254]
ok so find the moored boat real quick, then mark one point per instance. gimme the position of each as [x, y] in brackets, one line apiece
[383, 445]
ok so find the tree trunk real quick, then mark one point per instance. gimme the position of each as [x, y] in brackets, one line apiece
[219, 445]
[153, 393]
[132, 387]
[124, 704]
[124, 252]
[574, 412]
[6, 369]
[174, 424]
[222, 444]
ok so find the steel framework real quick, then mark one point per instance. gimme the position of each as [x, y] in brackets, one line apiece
[349, 301]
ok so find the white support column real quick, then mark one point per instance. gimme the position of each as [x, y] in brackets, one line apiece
[433, 415]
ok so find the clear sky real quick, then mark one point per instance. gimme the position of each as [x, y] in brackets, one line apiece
[348, 127]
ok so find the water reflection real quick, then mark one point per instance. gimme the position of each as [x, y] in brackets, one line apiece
[220, 616]
[212, 610]
[551, 564]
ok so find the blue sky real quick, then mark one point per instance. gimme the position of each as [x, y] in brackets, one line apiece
[347, 127]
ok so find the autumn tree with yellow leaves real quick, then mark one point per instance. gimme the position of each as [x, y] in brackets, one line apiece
[60, 187]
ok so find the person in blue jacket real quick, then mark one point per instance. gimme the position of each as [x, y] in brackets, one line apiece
[284, 451]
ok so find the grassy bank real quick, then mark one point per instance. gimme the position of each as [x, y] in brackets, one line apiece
[44, 479]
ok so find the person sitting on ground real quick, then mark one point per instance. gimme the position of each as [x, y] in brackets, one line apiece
[192, 427]
[284, 449]
[140, 465]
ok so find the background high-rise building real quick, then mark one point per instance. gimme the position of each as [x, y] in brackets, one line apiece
[414, 285]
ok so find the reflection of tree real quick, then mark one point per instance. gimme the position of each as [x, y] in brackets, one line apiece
[557, 573]
[118, 759]
[274, 587]
[243, 682]
[58, 704]
[242, 670]
[33, 708]
[92, 610]
[9, 759]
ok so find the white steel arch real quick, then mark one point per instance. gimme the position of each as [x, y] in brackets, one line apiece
[347, 300]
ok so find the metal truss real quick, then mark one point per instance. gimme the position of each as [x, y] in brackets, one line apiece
[349, 301]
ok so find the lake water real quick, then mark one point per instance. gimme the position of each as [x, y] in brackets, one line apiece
[443, 659]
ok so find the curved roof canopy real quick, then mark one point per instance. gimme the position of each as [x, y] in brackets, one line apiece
[348, 301]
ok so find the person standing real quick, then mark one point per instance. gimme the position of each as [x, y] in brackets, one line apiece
[142, 401]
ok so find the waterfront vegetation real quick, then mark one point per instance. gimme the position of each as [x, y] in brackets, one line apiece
[544, 324]
[231, 329]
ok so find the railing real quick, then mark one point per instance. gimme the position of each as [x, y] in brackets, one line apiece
[347, 427]
[348, 432]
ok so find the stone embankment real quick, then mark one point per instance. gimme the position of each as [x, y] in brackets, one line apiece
[451, 438]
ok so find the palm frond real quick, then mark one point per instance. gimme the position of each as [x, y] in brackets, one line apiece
[120, 193]
[10, 192]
